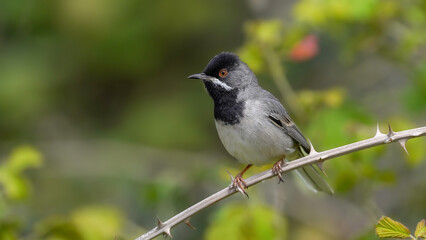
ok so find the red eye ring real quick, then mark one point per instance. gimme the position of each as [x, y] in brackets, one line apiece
[223, 73]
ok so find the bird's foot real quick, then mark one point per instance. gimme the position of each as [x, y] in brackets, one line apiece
[240, 185]
[276, 169]
[238, 182]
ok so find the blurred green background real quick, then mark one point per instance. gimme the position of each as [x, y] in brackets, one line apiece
[101, 132]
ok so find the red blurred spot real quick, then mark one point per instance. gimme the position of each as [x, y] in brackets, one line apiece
[304, 50]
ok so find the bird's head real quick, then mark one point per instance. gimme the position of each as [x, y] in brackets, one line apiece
[226, 72]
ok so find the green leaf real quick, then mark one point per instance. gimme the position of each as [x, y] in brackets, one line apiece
[8, 230]
[97, 222]
[56, 227]
[420, 230]
[321, 12]
[15, 185]
[252, 55]
[90, 222]
[266, 32]
[241, 221]
[24, 157]
[389, 228]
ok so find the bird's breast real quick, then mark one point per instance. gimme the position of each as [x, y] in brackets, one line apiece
[229, 113]
[254, 140]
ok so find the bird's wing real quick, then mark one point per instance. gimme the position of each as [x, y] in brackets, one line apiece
[280, 118]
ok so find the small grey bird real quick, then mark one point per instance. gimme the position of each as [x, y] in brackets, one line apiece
[252, 124]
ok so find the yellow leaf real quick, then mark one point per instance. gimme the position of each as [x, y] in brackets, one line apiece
[248, 222]
[24, 157]
[13, 182]
[389, 228]
[97, 222]
[267, 32]
[14, 186]
[420, 230]
[251, 54]
[334, 97]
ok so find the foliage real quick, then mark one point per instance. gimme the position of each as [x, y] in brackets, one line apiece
[15, 185]
[242, 221]
[90, 222]
[330, 111]
[389, 228]
[420, 230]
[360, 28]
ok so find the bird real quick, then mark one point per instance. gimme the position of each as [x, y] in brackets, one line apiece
[252, 124]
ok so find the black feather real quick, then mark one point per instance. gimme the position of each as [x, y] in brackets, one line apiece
[275, 120]
[226, 107]
[224, 60]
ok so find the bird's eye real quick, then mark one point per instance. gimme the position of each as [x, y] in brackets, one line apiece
[223, 73]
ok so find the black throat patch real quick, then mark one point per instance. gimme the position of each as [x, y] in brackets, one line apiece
[226, 107]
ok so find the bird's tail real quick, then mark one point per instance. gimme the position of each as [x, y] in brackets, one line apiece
[313, 178]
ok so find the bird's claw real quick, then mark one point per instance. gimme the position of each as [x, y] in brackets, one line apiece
[240, 185]
[276, 169]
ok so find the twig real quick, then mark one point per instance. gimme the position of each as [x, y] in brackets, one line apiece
[313, 158]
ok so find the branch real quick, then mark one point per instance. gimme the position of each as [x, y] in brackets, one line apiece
[313, 158]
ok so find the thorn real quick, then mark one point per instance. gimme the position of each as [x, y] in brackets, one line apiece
[378, 133]
[239, 186]
[232, 179]
[188, 223]
[167, 233]
[319, 165]
[402, 143]
[279, 175]
[390, 134]
[312, 152]
[280, 178]
[242, 191]
[246, 195]
[160, 224]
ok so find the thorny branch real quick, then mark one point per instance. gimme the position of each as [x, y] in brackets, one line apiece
[313, 158]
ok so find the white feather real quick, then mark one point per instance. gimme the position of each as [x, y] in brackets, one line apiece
[220, 83]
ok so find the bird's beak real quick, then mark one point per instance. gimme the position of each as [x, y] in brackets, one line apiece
[198, 76]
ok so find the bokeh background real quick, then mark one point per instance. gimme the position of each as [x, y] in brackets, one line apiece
[101, 132]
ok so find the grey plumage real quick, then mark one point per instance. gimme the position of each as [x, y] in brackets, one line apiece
[252, 124]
